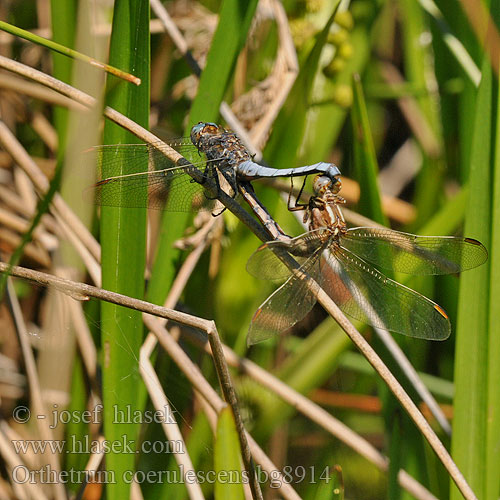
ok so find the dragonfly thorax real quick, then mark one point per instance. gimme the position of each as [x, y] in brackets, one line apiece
[216, 143]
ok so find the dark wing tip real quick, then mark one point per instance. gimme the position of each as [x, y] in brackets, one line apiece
[101, 183]
[473, 241]
[480, 247]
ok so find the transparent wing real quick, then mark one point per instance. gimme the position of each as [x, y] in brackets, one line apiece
[264, 263]
[412, 254]
[158, 179]
[288, 304]
[364, 293]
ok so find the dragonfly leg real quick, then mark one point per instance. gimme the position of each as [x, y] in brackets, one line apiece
[297, 206]
[213, 175]
[219, 190]
[205, 175]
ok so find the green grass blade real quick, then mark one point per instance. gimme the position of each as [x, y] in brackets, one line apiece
[123, 238]
[417, 67]
[227, 459]
[471, 358]
[64, 50]
[492, 462]
[76, 431]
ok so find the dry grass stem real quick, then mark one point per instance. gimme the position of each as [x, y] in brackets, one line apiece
[19, 154]
[45, 130]
[259, 108]
[37, 91]
[34, 252]
[25, 490]
[84, 340]
[411, 373]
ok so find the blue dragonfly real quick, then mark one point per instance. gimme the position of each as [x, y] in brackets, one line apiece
[176, 184]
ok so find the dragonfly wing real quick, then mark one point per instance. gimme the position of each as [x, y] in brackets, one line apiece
[287, 305]
[155, 181]
[265, 263]
[412, 254]
[371, 297]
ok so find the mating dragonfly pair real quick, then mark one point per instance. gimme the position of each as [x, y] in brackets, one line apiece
[342, 261]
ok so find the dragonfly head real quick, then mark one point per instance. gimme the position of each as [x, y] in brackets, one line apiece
[323, 184]
[202, 129]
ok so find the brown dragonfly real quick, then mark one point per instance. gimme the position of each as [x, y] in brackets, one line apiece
[344, 262]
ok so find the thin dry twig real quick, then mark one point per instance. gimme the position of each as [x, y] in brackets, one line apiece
[36, 91]
[82, 290]
[220, 363]
[398, 391]
[185, 364]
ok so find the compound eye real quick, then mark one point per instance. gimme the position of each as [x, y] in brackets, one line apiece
[211, 128]
[321, 184]
[335, 188]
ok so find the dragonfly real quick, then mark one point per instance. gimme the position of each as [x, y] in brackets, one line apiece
[345, 262]
[178, 185]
